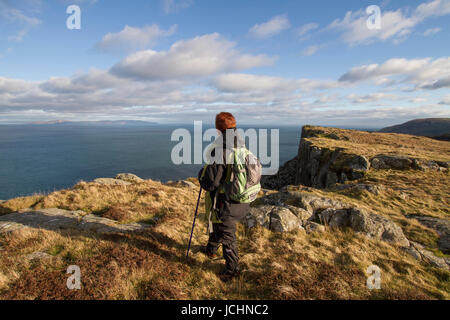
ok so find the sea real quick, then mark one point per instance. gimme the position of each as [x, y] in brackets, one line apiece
[39, 159]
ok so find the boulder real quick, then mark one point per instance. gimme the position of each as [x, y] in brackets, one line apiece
[259, 216]
[275, 218]
[421, 254]
[188, 184]
[311, 227]
[39, 256]
[111, 182]
[302, 214]
[377, 227]
[442, 227]
[283, 220]
[382, 161]
[129, 177]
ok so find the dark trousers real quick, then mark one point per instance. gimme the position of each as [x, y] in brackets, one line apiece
[225, 233]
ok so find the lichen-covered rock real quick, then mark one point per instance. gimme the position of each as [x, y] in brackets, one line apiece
[259, 216]
[275, 218]
[283, 220]
[57, 219]
[302, 214]
[420, 253]
[112, 182]
[129, 177]
[442, 227]
[311, 227]
[377, 227]
[323, 167]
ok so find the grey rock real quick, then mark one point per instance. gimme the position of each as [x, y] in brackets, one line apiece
[377, 227]
[311, 227]
[111, 182]
[129, 177]
[187, 184]
[442, 227]
[35, 256]
[421, 254]
[259, 215]
[382, 161]
[275, 218]
[57, 219]
[283, 220]
[335, 218]
[302, 214]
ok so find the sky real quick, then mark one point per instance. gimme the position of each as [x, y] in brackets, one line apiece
[268, 62]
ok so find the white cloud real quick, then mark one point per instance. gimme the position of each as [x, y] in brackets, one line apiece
[303, 30]
[311, 50]
[445, 100]
[431, 31]
[202, 56]
[133, 38]
[171, 6]
[270, 28]
[422, 73]
[395, 25]
[246, 82]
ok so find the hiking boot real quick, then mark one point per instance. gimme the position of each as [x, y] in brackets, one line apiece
[205, 251]
[227, 275]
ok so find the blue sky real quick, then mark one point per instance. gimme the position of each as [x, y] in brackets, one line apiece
[271, 62]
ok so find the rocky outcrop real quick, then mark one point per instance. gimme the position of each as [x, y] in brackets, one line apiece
[323, 167]
[441, 226]
[397, 162]
[129, 177]
[420, 253]
[111, 182]
[58, 219]
[294, 210]
[285, 176]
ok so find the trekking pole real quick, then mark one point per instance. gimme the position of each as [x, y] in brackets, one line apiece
[193, 224]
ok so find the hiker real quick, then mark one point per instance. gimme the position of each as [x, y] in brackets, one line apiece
[224, 205]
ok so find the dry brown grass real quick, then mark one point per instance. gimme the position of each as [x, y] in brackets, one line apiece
[152, 265]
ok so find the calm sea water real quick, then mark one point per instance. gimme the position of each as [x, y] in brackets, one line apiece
[41, 159]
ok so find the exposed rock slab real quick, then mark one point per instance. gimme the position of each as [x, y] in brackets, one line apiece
[111, 182]
[442, 227]
[57, 219]
[129, 177]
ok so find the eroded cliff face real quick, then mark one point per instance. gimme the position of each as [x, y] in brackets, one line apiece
[327, 157]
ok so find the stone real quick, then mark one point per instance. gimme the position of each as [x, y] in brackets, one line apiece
[259, 216]
[188, 184]
[442, 227]
[335, 218]
[129, 177]
[421, 254]
[311, 227]
[376, 227]
[36, 256]
[382, 161]
[57, 219]
[111, 182]
[302, 214]
[283, 220]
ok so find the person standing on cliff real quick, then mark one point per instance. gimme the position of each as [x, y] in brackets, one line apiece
[231, 185]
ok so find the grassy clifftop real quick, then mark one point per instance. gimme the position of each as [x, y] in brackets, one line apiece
[150, 264]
